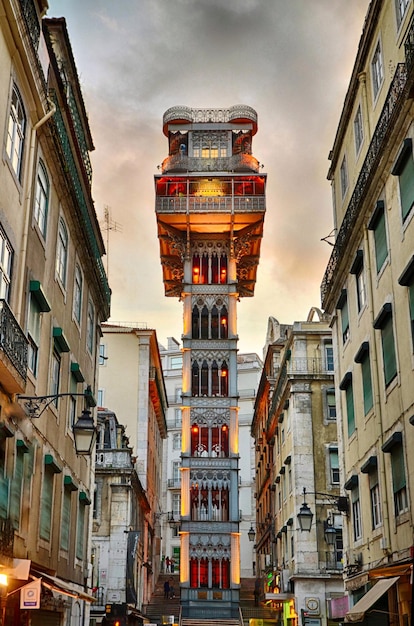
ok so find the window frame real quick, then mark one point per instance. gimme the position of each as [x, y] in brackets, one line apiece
[62, 252]
[343, 176]
[378, 225]
[347, 386]
[77, 294]
[403, 169]
[16, 132]
[358, 130]
[90, 327]
[41, 199]
[6, 265]
[385, 323]
[377, 70]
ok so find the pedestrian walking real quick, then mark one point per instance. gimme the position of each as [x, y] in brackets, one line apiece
[167, 589]
[167, 563]
[172, 566]
[172, 590]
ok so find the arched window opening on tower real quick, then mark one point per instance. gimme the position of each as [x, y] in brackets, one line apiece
[217, 570]
[209, 269]
[209, 505]
[210, 441]
[206, 325]
[209, 380]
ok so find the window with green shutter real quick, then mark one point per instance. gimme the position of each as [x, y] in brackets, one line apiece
[407, 280]
[362, 357]
[80, 531]
[378, 225]
[404, 169]
[17, 483]
[394, 447]
[4, 481]
[346, 385]
[46, 503]
[384, 322]
[342, 305]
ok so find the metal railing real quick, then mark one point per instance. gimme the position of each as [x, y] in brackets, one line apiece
[210, 204]
[235, 162]
[69, 165]
[13, 341]
[393, 104]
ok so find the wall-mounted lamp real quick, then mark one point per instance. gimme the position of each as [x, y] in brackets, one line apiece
[305, 515]
[84, 430]
[251, 533]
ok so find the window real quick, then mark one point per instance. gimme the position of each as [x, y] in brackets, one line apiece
[176, 362]
[358, 130]
[362, 357]
[100, 398]
[177, 417]
[356, 513]
[344, 177]
[77, 294]
[80, 530]
[102, 354]
[384, 323]
[41, 204]
[16, 132]
[176, 473]
[346, 385]
[334, 465]
[378, 226]
[65, 526]
[329, 357]
[17, 484]
[6, 258]
[407, 280]
[343, 307]
[176, 505]
[177, 441]
[357, 269]
[209, 268]
[394, 447]
[377, 70]
[404, 169]
[62, 252]
[331, 403]
[46, 502]
[33, 335]
[90, 328]
[55, 375]
[401, 7]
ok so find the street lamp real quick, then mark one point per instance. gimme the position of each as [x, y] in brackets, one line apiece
[84, 430]
[251, 533]
[305, 515]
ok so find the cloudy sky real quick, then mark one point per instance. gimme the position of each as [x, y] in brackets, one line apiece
[290, 60]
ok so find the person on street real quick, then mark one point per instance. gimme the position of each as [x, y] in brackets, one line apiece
[166, 590]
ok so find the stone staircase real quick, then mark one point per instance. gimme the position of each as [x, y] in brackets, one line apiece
[159, 610]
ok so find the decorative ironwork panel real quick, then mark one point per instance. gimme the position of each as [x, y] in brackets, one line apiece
[13, 341]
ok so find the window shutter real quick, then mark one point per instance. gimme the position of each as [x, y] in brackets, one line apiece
[350, 409]
[398, 469]
[366, 383]
[380, 237]
[406, 180]
[388, 351]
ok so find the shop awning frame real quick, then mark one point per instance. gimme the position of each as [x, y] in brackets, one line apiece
[357, 613]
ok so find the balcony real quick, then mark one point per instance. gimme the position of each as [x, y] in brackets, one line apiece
[13, 351]
[210, 204]
[174, 483]
[235, 163]
[396, 97]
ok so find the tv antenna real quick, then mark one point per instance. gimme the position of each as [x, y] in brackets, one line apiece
[109, 225]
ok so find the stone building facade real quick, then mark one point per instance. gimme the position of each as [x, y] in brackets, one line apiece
[54, 296]
[368, 289]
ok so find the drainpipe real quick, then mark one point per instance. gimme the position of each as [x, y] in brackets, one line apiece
[27, 203]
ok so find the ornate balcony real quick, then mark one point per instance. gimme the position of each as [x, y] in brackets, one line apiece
[393, 104]
[211, 204]
[13, 351]
[235, 163]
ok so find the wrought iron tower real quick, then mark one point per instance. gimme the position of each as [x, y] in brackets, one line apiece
[210, 206]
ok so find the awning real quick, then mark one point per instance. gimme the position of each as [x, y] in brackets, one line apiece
[61, 586]
[357, 613]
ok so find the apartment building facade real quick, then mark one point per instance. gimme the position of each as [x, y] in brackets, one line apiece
[54, 296]
[131, 385]
[368, 290]
[294, 428]
[210, 205]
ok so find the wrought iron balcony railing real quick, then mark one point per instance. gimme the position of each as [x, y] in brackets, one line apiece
[391, 109]
[234, 163]
[210, 204]
[69, 165]
[13, 341]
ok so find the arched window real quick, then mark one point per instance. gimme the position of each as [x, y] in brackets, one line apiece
[224, 386]
[41, 198]
[204, 379]
[204, 323]
[195, 323]
[215, 324]
[16, 132]
[215, 381]
[195, 379]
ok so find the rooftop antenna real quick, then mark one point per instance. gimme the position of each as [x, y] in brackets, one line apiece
[109, 224]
